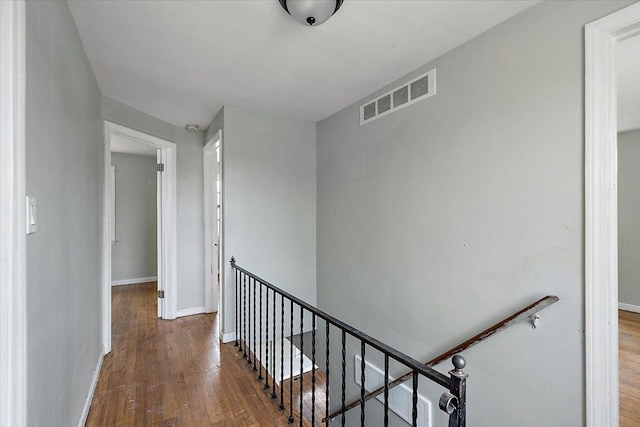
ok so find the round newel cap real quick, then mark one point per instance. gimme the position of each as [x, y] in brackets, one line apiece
[458, 362]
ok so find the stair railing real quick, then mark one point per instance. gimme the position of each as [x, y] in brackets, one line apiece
[254, 293]
[527, 313]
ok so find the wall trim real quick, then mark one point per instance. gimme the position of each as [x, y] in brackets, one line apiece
[13, 282]
[601, 238]
[92, 389]
[190, 311]
[629, 307]
[228, 337]
[134, 281]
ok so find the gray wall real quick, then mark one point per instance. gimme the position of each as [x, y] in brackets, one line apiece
[64, 160]
[135, 253]
[190, 219]
[269, 190]
[440, 219]
[189, 192]
[629, 217]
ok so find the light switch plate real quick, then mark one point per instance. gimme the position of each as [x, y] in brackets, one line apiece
[31, 215]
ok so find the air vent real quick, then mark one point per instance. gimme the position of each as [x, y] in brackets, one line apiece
[417, 89]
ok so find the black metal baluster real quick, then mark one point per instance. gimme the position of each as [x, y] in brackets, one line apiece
[301, 358]
[281, 407]
[273, 347]
[414, 405]
[313, 369]
[386, 390]
[255, 368]
[291, 367]
[266, 342]
[362, 380]
[344, 375]
[259, 342]
[326, 384]
[244, 301]
[235, 271]
[249, 323]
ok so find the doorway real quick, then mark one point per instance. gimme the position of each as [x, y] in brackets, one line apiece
[213, 227]
[627, 65]
[601, 213]
[134, 215]
[166, 222]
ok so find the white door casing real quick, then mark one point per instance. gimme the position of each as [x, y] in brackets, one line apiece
[13, 310]
[213, 242]
[601, 239]
[167, 225]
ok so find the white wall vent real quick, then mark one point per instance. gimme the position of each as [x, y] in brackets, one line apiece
[417, 89]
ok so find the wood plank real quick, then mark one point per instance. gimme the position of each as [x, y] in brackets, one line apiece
[176, 373]
[629, 359]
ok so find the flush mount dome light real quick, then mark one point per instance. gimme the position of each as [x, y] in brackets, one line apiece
[311, 12]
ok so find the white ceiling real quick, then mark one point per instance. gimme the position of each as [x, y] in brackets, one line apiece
[120, 144]
[628, 75]
[181, 61]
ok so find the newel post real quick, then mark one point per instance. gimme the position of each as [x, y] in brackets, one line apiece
[459, 390]
[454, 402]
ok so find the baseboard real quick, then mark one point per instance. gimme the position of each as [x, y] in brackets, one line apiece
[134, 281]
[629, 307]
[92, 389]
[228, 337]
[190, 311]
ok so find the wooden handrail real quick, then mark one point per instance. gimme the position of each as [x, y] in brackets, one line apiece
[525, 313]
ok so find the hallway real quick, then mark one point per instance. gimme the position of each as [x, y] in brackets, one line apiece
[174, 373]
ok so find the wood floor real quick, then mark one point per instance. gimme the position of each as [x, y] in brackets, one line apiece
[177, 373]
[629, 346]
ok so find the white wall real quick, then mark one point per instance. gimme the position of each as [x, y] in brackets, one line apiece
[134, 255]
[64, 162]
[440, 219]
[629, 218]
[269, 190]
[189, 192]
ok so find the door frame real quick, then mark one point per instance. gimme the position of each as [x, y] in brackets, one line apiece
[167, 244]
[213, 298]
[13, 282]
[601, 213]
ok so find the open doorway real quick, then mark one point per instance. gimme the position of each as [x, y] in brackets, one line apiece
[165, 213]
[628, 136]
[213, 226]
[601, 213]
[135, 257]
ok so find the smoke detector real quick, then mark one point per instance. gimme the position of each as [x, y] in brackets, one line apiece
[192, 128]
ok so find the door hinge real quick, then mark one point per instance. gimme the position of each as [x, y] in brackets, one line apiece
[160, 294]
[160, 167]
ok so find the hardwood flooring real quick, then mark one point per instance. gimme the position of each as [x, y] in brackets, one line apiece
[629, 348]
[177, 373]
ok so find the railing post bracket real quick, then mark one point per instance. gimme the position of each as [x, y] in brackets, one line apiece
[535, 320]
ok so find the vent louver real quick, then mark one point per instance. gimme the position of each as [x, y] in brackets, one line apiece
[408, 93]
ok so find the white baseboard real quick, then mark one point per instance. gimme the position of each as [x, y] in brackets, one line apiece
[92, 389]
[134, 281]
[228, 337]
[190, 311]
[629, 307]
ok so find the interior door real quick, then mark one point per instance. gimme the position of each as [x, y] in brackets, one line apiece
[159, 206]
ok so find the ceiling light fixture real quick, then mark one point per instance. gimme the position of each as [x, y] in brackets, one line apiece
[192, 128]
[311, 12]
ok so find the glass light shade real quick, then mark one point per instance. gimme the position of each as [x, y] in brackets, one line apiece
[311, 12]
